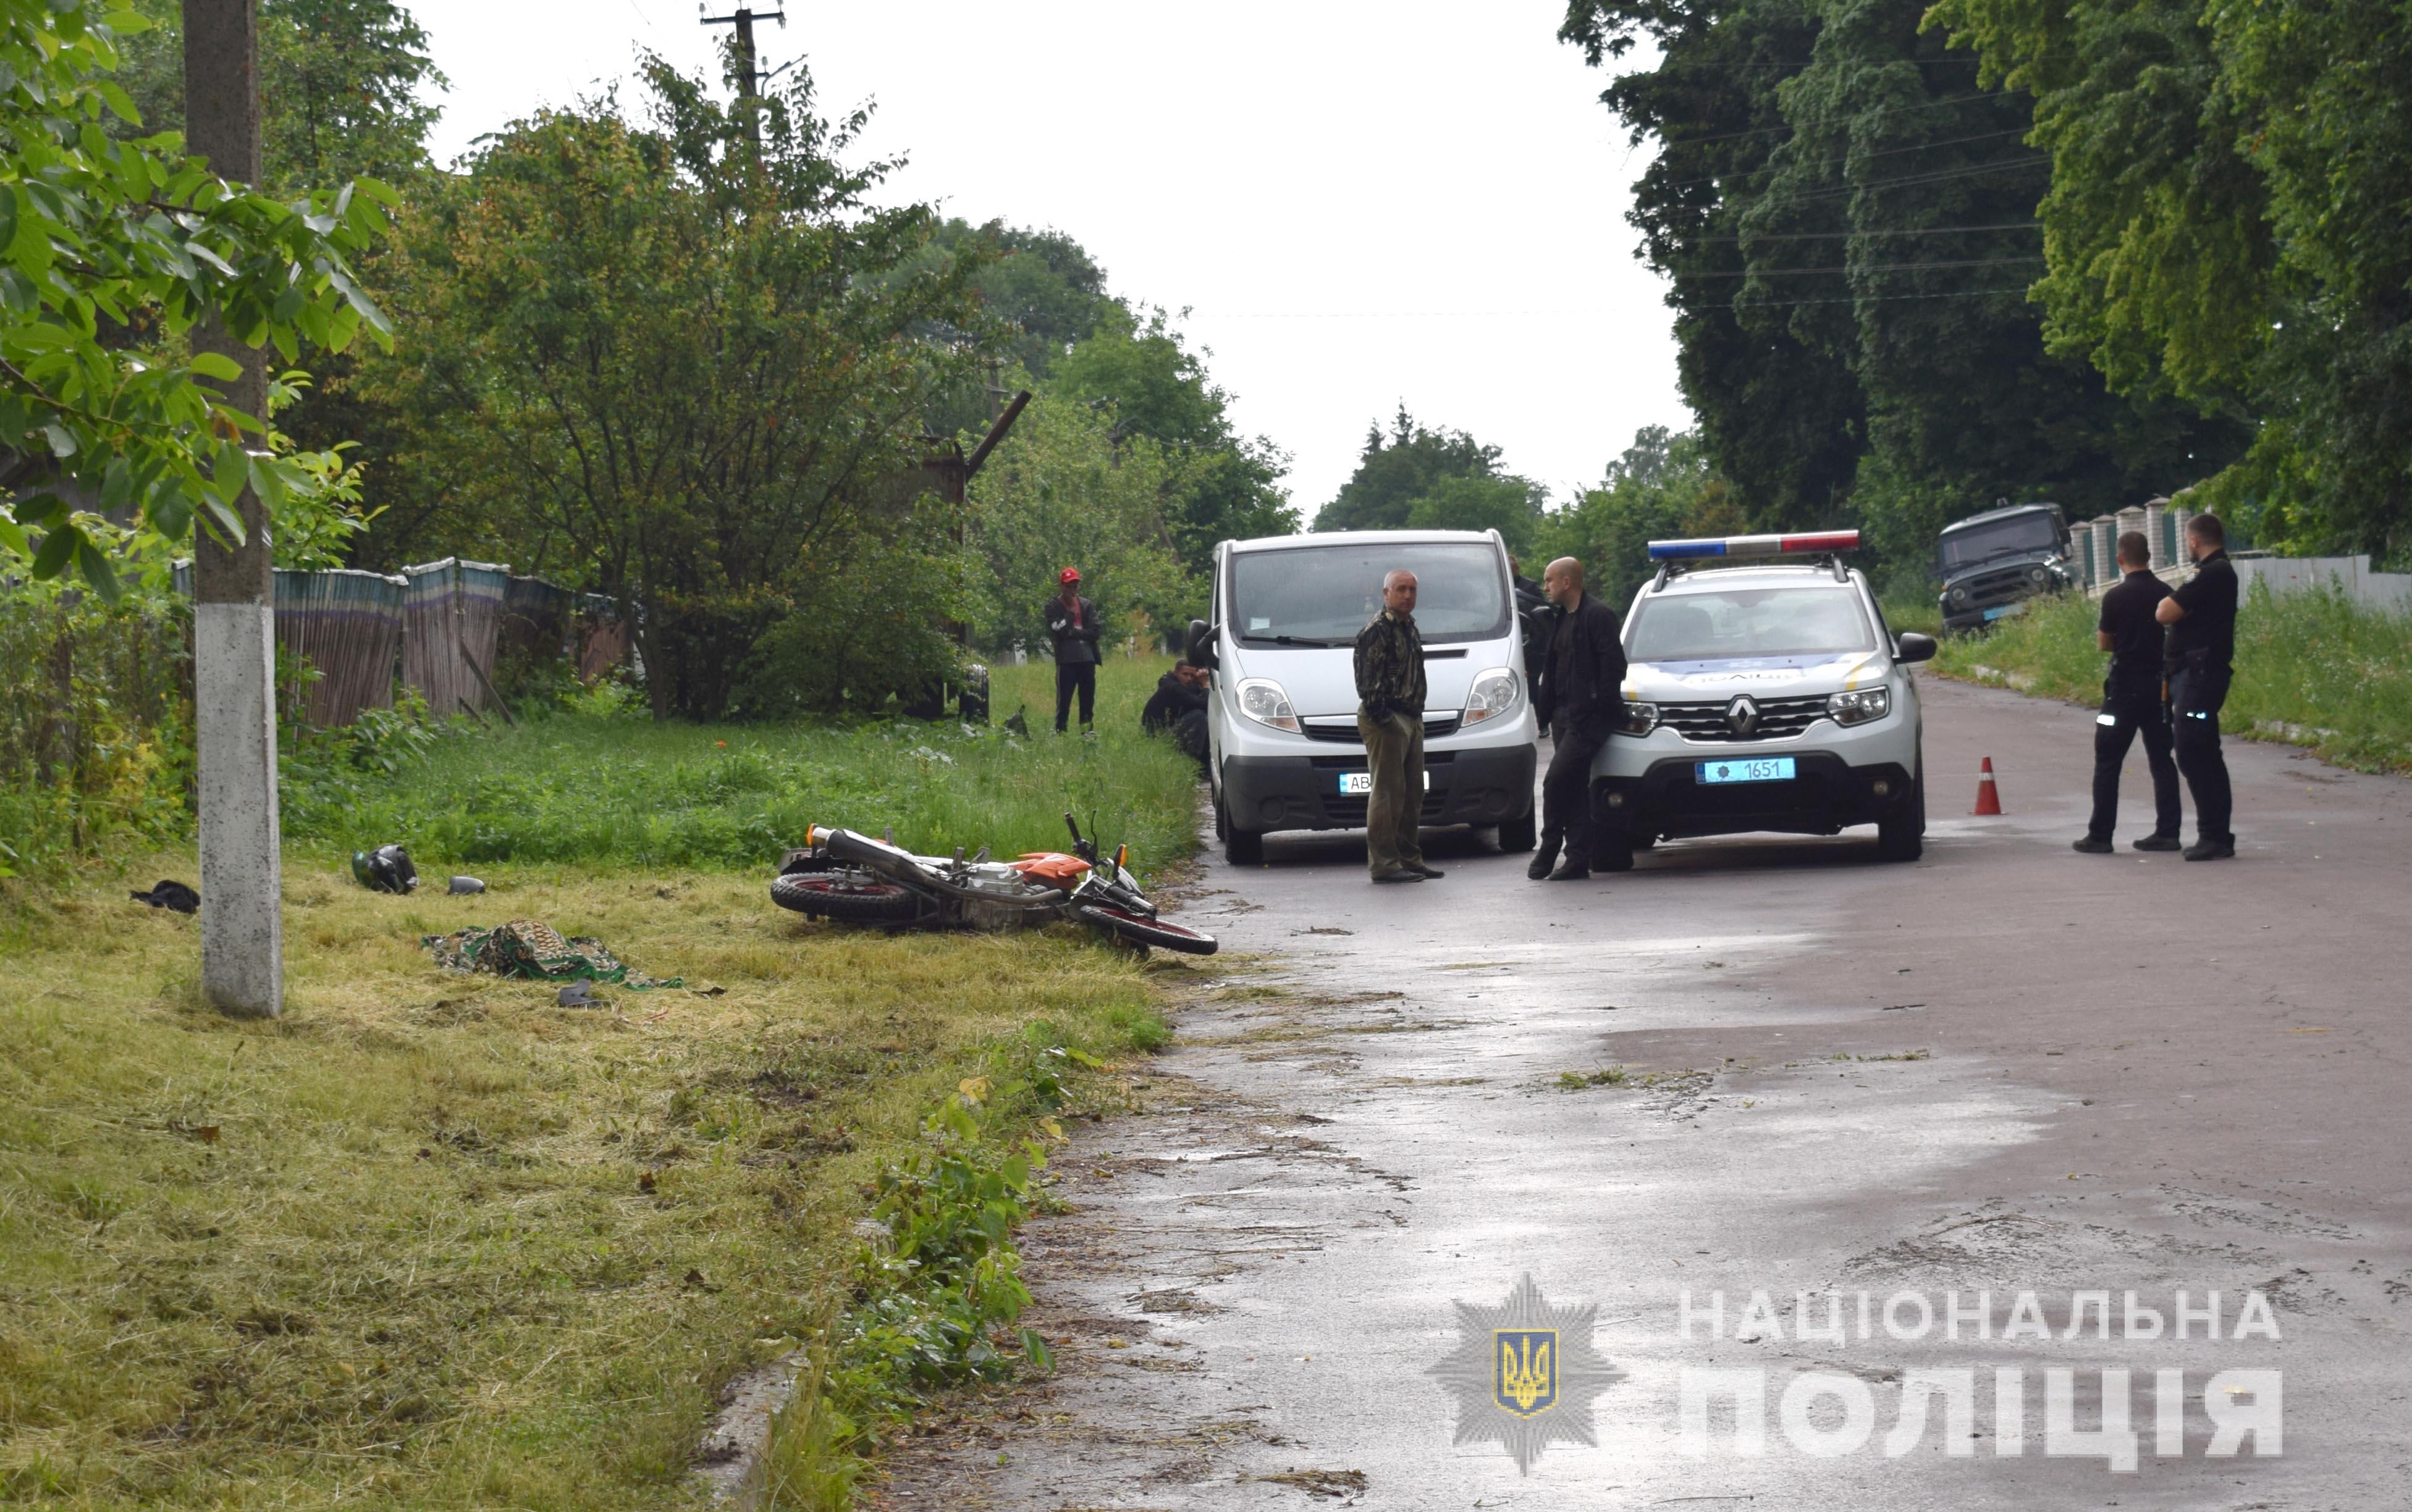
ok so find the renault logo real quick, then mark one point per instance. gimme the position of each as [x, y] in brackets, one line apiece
[1741, 716]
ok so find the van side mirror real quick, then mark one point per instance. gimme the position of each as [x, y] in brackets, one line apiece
[1200, 649]
[1911, 646]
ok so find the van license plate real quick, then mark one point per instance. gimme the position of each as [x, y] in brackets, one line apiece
[1768, 769]
[1360, 784]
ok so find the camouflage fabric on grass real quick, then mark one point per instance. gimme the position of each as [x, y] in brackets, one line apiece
[532, 952]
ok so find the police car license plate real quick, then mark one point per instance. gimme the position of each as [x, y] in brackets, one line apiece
[2001, 611]
[1360, 784]
[1768, 769]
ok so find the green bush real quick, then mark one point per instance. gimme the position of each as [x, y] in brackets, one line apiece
[95, 745]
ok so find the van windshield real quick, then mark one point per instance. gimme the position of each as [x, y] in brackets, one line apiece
[1747, 621]
[1324, 595]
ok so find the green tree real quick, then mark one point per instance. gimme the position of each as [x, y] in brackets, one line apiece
[1770, 380]
[115, 248]
[1220, 485]
[1397, 469]
[1064, 491]
[1510, 505]
[1042, 283]
[662, 363]
[2226, 222]
[343, 87]
[1662, 488]
[1849, 200]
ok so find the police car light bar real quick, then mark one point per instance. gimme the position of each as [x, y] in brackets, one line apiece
[1830, 541]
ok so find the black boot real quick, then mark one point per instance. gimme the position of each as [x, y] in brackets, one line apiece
[1576, 867]
[1544, 856]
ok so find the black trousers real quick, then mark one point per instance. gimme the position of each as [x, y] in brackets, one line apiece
[2196, 696]
[2127, 714]
[1070, 676]
[1565, 787]
[1189, 735]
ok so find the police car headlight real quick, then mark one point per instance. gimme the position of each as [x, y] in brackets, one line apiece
[1638, 719]
[1262, 699]
[1859, 705]
[1494, 694]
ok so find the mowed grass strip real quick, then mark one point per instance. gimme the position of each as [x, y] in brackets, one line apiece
[2313, 668]
[432, 1241]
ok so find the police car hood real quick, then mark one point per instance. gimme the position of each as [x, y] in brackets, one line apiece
[1714, 681]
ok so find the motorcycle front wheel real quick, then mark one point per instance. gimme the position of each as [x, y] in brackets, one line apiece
[1141, 930]
[838, 896]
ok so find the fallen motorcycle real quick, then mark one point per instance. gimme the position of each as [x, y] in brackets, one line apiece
[852, 879]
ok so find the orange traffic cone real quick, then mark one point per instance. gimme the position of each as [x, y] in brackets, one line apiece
[1987, 800]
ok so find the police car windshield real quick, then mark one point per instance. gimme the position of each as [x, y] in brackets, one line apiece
[1719, 623]
[2001, 537]
[1325, 593]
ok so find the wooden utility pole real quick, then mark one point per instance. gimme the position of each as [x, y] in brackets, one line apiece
[745, 70]
[234, 587]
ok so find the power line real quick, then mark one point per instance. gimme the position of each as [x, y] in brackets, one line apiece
[1843, 236]
[1889, 109]
[1890, 152]
[1865, 268]
[1874, 299]
[1937, 176]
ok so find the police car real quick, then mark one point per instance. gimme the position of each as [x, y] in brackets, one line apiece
[1765, 692]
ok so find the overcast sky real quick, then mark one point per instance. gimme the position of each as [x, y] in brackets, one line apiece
[1360, 204]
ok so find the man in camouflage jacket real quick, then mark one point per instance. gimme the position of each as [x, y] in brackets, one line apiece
[1390, 720]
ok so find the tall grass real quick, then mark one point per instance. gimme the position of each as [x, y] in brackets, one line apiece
[2314, 668]
[603, 790]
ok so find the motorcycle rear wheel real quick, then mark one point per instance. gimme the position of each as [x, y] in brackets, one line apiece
[836, 896]
[1141, 930]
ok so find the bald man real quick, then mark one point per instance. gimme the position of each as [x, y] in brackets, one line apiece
[1581, 693]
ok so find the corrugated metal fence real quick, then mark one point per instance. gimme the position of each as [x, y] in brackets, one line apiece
[450, 612]
[443, 624]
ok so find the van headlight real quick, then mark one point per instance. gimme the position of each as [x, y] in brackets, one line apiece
[1859, 705]
[1494, 694]
[1637, 718]
[1262, 699]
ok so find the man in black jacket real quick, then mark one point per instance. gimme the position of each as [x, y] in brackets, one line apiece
[1072, 626]
[2131, 703]
[1581, 693]
[2202, 617]
[1178, 709]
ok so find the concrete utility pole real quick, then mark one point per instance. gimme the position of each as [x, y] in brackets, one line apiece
[234, 587]
[745, 73]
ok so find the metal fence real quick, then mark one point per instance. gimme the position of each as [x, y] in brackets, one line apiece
[450, 613]
[440, 627]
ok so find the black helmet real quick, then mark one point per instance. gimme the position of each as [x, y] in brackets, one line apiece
[386, 869]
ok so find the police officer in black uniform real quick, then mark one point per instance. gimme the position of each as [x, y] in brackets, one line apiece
[1580, 697]
[2131, 703]
[2202, 617]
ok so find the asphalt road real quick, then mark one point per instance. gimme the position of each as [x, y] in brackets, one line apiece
[2005, 1068]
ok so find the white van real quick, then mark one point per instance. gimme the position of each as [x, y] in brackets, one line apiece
[1282, 722]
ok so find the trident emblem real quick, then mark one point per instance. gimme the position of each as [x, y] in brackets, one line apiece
[1527, 1383]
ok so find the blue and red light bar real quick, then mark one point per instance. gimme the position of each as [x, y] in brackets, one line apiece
[1820, 541]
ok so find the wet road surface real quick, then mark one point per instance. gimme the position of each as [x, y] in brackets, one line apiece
[2005, 1068]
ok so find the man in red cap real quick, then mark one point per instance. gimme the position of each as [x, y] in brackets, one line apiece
[1072, 625]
